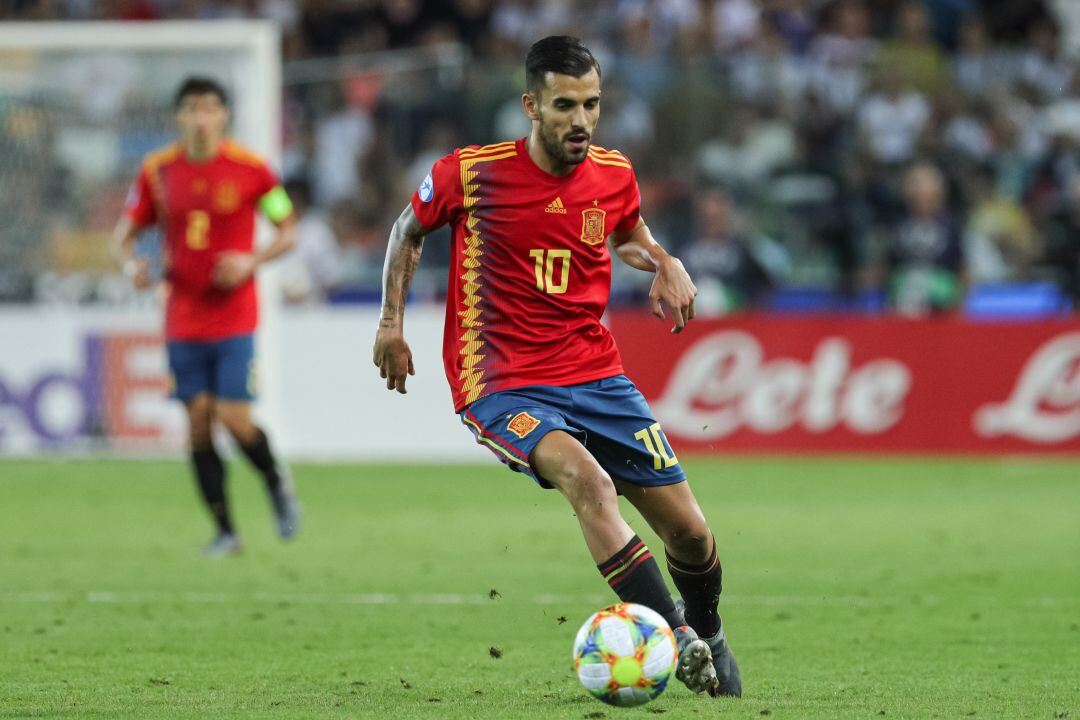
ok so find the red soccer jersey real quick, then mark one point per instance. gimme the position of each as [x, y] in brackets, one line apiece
[530, 272]
[204, 209]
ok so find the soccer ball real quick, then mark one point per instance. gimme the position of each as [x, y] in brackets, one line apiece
[625, 654]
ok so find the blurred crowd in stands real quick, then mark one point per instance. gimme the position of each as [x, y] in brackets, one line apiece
[797, 154]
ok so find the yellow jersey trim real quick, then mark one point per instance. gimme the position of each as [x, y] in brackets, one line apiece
[492, 444]
[241, 154]
[472, 343]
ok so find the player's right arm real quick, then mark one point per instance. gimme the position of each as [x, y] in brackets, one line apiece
[437, 201]
[139, 212]
[392, 354]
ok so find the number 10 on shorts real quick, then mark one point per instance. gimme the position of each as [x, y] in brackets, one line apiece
[656, 444]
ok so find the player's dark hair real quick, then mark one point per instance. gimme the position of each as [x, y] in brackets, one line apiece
[200, 86]
[560, 54]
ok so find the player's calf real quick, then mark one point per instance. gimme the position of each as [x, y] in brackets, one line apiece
[286, 506]
[210, 474]
[700, 585]
[279, 483]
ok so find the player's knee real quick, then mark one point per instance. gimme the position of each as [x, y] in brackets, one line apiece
[689, 541]
[200, 428]
[590, 490]
[239, 425]
[243, 430]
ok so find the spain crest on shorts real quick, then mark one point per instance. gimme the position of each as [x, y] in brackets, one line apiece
[592, 225]
[522, 424]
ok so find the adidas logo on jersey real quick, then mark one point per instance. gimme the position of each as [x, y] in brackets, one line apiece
[556, 206]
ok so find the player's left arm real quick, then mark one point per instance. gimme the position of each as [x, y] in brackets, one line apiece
[672, 285]
[234, 268]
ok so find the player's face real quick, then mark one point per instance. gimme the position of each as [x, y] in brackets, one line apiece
[202, 120]
[566, 113]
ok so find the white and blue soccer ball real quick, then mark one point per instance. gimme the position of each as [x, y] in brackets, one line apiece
[625, 655]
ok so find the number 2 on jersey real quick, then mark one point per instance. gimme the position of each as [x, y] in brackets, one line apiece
[656, 444]
[198, 229]
[545, 270]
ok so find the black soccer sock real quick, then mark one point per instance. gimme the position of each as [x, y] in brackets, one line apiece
[210, 472]
[262, 458]
[700, 586]
[635, 577]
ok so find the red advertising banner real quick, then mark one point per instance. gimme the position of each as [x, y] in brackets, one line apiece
[864, 385]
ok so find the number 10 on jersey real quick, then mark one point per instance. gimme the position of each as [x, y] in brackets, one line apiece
[545, 270]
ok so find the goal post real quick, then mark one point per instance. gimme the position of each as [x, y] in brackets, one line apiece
[80, 104]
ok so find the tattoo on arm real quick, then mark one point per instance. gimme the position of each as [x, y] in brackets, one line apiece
[402, 259]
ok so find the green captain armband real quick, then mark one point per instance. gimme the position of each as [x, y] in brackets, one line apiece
[276, 204]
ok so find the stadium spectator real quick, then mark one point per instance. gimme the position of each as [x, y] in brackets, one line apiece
[755, 95]
[519, 22]
[735, 24]
[890, 121]
[913, 52]
[1044, 65]
[979, 68]
[1061, 118]
[1001, 239]
[1063, 243]
[767, 72]
[471, 20]
[312, 272]
[795, 21]
[628, 120]
[722, 260]
[968, 130]
[924, 258]
[841, 57]
[643, 63]
[342, 136]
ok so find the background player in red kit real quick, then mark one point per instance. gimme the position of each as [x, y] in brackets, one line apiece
[203, 191]
[534, 374]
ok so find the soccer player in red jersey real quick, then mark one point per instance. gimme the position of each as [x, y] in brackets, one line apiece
[203, 192]
[535, 375]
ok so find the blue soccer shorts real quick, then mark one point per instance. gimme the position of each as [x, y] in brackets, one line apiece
[222, 368]
[609, 417]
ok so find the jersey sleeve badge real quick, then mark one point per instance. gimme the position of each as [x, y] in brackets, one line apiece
[522, 424]
[427, 189]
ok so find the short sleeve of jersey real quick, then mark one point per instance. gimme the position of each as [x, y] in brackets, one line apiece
[139, 206]
[439, 198]
[631, 204]
[267, 179]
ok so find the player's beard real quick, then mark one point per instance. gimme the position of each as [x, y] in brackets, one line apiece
[555, 146]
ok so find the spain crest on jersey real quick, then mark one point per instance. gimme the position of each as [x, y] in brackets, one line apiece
[592, 225]
[226, 198]
[522, 424]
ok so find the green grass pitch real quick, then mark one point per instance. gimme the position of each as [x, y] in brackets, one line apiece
[853, 589]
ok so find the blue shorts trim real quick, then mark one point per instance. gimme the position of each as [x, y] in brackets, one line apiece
[609, 417]
[222, 368]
